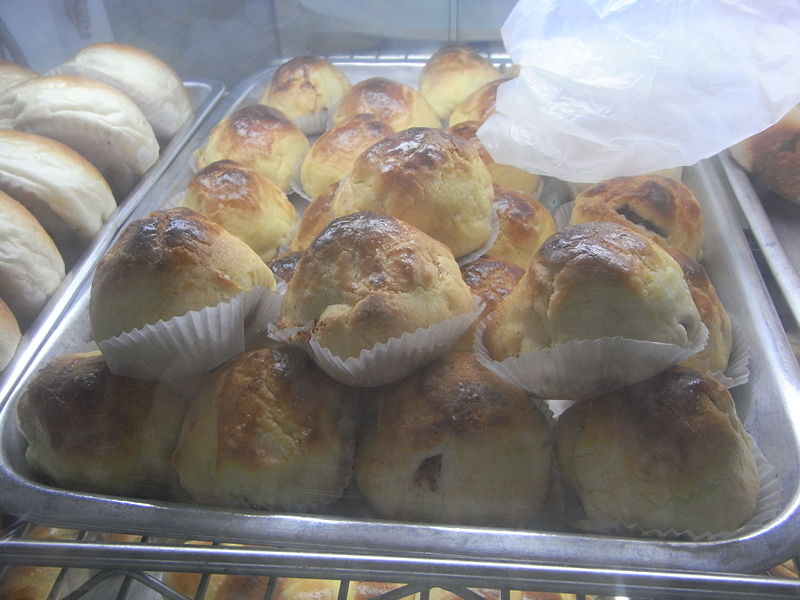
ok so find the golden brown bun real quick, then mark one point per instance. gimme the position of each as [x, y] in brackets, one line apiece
[440, 594]
[591, 281]
[332, 155]
[288, 588]
[63, 190]
[284, 265]
[479, 105]
[219, 586]
[513, 177]
[303, 86]
[454, 443]
[90, 430]
[31, 268]
[714, 357]
[451, 75]
[315, 218]
[166, 264]
[772, 156]
[369, 277]
[34, 582]
[666, 453]
[98, 121]
[525, 224]
[398, 105]
[150, 82]
[491, 280]
[10, 335]
[12, 73]
[271, 431]
[663, 209]
[429, 178]
[259, 137]
[245, 203]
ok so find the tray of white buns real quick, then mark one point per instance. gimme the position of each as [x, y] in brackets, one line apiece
[80, 145]
[334, 322]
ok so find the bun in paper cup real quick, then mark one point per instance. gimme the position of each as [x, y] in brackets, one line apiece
[600, 307]
[177, 294]
[368, 278]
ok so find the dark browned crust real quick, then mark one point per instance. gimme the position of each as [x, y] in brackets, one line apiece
[384, 98]
[258, 121]
[491, 280]
[284, 266]
[296, 73]
[224, 183]
[775, 156]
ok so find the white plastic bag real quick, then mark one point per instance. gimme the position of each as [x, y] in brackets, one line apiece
[624, 87]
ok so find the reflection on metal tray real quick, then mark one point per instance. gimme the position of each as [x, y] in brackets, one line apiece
[768, 405]
[203, 96]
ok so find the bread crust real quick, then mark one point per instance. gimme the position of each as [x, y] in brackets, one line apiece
[398, 105]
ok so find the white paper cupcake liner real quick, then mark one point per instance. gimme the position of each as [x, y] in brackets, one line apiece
[581, 369]
[738, 370]
[562, 214]
[387, 361]
[312, 124]
[297, 186]
[494, 231]
[193, 343]
[768, 506]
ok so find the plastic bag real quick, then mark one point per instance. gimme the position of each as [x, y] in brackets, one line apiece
[624, 87]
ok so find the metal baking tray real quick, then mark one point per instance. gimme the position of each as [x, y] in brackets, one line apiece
[775, 225]
[203, 96]
[769, 405]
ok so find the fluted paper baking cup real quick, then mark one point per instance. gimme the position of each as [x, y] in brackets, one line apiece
[768, 506]
[494, 231]
[312, 124]
[738, 370]
[581, 369]
[387, 361]
[193, 343]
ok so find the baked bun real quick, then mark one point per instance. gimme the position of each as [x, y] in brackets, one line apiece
[668, 453]
[289, 588]
[259, 137]
[218, 586]
[772, 156]
[479, 105]
[96, 120]
[429, 178]
[166, 264]
[63, 190]
[451, 75]
[90, 430]
[714, 357]
[245, 203]
[12, 73]
[525, 224]
[305, 89]
[370, 277]
[270, 431]
[454, 443]
[316, 217]
[10, 335]
[284, 265]
[590, 281]
[332, 155]
[146, 79]
[30, 266]
[510, 176]
[661, 208]
[398, 105]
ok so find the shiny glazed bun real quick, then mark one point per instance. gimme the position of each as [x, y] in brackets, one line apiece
[98, 121]
[668, 453]
[479, 105]
[304, 87]
[31, 267]
[166, 264]
[662, 208]
[398, 105]
[270, 431]
[714, 357]
[90, 430]
[245, 203]
[369, 277]
[525, 224]
[772, 156]
[332, 155]
[454, 443]
[429, 178]
[315, 218]
[150, 82]
[591, 281]
[259, 137]
[10, 335]
[451, 75]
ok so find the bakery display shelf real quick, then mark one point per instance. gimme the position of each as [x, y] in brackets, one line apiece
[342, 545]
[203, 95]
